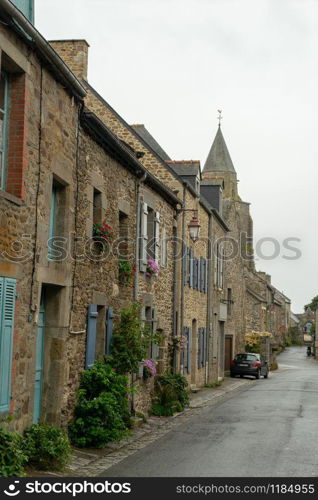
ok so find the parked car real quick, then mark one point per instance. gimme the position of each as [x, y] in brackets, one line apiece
[249, 363]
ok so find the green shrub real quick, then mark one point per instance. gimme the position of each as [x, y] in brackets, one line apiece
[170, 394]
[12, 457]
[46, 447]
[102, 412]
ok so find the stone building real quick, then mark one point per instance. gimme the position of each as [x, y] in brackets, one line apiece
[62, 168]
[69, 161]
[192, 301]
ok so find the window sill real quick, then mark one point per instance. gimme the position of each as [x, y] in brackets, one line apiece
[11, 197]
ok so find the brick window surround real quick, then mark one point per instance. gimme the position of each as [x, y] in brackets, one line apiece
[15, 162]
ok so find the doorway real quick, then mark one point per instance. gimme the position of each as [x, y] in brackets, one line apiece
[39, 361]
[228, 354]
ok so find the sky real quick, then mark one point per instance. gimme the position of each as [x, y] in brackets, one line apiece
[170, 64]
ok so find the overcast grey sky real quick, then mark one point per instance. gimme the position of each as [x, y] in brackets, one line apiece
[170, 64]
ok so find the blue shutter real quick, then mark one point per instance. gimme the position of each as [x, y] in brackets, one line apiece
[189, 349]
[7, 307]
[109, 330]
[91, 336]
[26, 7]
[202, 274]
[191, 266]
[199, 274]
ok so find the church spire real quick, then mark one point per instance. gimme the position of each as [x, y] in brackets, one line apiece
[219, 159]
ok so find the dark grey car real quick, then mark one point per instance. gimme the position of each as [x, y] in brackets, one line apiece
[249, 363]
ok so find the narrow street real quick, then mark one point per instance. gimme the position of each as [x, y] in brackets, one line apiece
[268, 429]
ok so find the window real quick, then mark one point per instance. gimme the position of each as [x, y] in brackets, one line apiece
[4, 112]
[13, 126]
[97, 206]
[7, 309]
[219, 266]
[149, 315]
[149, 235]
[56, 242]
[229, 301]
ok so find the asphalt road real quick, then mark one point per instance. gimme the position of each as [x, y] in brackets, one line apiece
[269, 429]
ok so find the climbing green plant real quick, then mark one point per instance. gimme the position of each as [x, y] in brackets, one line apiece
[170, 394]
[131, 340]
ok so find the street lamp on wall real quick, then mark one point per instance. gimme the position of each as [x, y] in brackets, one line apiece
[194, 226]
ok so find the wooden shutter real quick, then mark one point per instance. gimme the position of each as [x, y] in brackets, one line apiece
[91, 336]
[185, 350]
[202, 274]
[143, 237]
[204, 359]
[221, 266]
[199, 347]
[164, 253]
[154, 346]
[109, 330]
[191, 268]
[157, 237]
[189, 349]
[215, 261]
[26, 7]
[206, 272]
[7, 308]
[184, 264]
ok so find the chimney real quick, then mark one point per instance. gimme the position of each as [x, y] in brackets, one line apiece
[26, 7]
[74, 53]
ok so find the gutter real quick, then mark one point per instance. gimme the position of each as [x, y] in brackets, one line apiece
[31, 34]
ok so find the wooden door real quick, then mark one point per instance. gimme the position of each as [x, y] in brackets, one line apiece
[228, 352]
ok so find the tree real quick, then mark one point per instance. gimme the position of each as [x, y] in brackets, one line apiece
[313, 304]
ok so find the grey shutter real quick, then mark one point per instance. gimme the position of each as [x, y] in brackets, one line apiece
[199, 274]
[199, 347]
[195, 273]
[109, 330]
[202, 274]
[154, 346]
[206, 273]
[157, 237]
[191, 266]
[91, 336]
[204, 346]
[189, 349]
[143, 237]
[185, 350]
[215, 262]
[184, 264]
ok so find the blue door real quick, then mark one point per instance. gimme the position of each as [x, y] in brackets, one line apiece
[39, 363]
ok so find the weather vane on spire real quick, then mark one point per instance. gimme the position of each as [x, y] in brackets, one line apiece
[220, 117]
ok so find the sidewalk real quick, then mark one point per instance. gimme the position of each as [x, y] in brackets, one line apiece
[92, 462]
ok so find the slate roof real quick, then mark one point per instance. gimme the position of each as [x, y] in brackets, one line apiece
[151, 141]
[186, 167]
[219, 159]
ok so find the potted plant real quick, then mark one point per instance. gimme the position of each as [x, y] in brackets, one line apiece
[102, 232]
[126, 272]
[149, 368]
[152, 268]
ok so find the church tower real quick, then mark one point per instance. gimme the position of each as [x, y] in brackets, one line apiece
[219, 169]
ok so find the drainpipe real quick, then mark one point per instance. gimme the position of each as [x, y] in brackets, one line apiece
[209, 337]
[175, 285]
[182, 261]
[136, 279]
